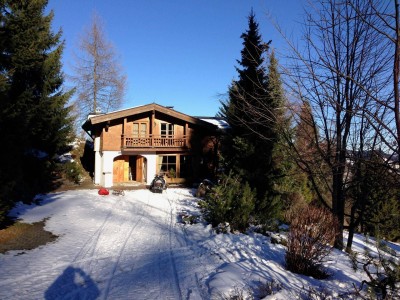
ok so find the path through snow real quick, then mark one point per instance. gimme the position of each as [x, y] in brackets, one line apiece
[111, 247]
[134, 247]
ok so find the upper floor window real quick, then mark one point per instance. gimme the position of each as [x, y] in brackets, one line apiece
[139, 129]
[167, 130]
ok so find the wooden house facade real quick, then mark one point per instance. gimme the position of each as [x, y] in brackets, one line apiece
[137, 143]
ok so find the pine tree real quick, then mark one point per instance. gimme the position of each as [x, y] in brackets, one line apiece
[33, 104]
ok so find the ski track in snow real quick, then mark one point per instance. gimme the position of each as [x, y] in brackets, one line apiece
[135, 247]
[131, 247]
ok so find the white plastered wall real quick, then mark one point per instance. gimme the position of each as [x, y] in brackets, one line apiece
[104, 163]
[151, 166]
[108, 165]
[97, 161]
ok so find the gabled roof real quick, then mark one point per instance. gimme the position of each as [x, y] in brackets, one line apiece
[102, 118]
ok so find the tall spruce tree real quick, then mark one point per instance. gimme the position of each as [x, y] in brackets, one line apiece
[250, 86]
[33, 104]
[253, 111]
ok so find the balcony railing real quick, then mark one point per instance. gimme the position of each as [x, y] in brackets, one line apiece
[152, 141]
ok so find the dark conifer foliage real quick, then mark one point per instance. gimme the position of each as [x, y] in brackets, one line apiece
[251, 111]
[34, 118]
[252, 83]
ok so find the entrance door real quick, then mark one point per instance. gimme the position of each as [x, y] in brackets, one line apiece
[121, 168]
[139, 168]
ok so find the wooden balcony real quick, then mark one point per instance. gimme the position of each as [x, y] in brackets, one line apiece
[152, 141]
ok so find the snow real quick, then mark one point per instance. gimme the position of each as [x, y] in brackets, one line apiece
[219, 122]
[137, 247]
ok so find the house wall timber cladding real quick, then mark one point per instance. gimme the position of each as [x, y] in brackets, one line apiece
[111, 137]
[137, 143]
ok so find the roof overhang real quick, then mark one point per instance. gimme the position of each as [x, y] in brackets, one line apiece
[108, 117]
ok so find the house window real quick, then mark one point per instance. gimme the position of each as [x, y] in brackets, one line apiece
[139, 129]
[167, 165]
[167, 130]
[175, 166]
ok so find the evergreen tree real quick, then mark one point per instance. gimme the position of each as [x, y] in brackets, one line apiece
[230, 201]
[6, 174]
[273, 123]
[238, 149]
[33, 103]
[254, 111]
[373, 198]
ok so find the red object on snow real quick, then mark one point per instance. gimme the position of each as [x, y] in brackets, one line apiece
[103, 191]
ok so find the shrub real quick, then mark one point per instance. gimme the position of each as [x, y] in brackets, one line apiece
[382, 270]
[229, 202]
[312, 229]
[271, 212]
[238, 293]
[171, 173]
[268, 288]
[385, 219]
[73, 172]
[4, 209]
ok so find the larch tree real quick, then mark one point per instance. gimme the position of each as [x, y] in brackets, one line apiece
[305, 152]
[98, 76]
[34, 116]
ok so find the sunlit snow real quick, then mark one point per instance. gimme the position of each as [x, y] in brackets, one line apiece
[137, 247]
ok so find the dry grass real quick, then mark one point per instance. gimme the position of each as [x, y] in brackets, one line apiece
[23, 236]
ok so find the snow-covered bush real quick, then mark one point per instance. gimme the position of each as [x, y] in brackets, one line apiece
[312, 229]
[230, 201]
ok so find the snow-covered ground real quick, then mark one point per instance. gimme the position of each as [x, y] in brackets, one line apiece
[136, 247]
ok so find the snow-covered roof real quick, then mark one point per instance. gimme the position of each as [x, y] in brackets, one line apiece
[221, 123]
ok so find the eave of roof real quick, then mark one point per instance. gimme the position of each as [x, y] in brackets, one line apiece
[98, 119]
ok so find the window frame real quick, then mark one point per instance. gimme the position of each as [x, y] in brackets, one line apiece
[168, 131]
[139, 133]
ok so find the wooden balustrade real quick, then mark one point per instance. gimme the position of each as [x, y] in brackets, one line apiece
[152, 141]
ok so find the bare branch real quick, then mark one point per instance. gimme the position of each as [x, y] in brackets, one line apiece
[99, 78]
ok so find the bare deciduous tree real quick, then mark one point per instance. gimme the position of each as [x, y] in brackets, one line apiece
[340, 74]
[99, 79]
[386, 23]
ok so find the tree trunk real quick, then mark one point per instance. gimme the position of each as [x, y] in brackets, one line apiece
[352, 227]
[396, 70]
[338, 206]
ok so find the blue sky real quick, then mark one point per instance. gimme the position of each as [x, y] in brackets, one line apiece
[176, 52]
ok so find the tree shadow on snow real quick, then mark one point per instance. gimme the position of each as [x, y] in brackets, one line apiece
[73, 283]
